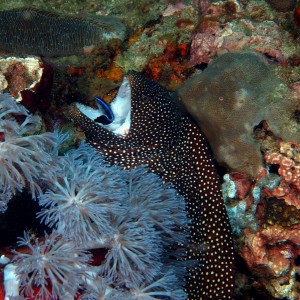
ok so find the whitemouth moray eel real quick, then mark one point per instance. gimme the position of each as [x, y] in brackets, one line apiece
[149, 128]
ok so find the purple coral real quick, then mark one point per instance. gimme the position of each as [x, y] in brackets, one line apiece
[164, 286]
[77, 202]
[23, 156]
[93, 205]
[164, 208]
[134, 252]
[54, 267]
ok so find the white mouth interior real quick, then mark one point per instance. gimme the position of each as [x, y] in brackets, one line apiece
[121, 109]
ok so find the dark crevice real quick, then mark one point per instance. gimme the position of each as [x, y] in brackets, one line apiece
[20, 216]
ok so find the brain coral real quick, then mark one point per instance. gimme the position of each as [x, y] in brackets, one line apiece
[229, 98]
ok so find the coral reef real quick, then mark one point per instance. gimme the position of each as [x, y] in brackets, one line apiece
[162, 32]
[162, 51]
[56, 34]
[264, 214]
[18, 74]
[263, 204]
[289, 170]
[270, 255]
[233, 38]
[170, 62]
[176, 150]
[139, 222]
[168, 40]
[228, 99]
[252, 26]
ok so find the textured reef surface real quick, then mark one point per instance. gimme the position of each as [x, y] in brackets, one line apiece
[267, 236]
[37, 32]
[234, 64]
[229, 98]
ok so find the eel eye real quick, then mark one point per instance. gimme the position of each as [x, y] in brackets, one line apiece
[108, 116]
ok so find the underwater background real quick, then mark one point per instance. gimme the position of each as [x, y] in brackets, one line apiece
[85, 216]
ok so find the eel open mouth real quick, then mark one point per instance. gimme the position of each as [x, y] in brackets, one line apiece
[116, 116]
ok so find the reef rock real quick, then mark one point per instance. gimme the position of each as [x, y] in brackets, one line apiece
[283, 5]
[232, 96]
[18, 74]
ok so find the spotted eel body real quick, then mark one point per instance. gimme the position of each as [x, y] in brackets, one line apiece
[170, 143]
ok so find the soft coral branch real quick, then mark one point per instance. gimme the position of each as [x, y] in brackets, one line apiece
[23, 156]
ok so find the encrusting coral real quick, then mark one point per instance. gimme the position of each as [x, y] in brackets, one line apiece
[228, 99]
[139, 222]
[264, 214]
[19, 73]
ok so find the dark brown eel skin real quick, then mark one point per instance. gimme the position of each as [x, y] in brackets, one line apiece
[165, 139]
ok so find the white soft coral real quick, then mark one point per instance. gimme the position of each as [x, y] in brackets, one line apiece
[23, 156]
[52, 267]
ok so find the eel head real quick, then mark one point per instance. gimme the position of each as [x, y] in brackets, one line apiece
[142, 114]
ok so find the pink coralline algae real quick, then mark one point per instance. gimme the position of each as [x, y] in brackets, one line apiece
[270, 255]
[222, 31]
[18, 74]
[204, 47]
[204, 44]
[289, 170]
[265, 215]
[28, 80]
[265, 38]
[262, 187]
[173, 9]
